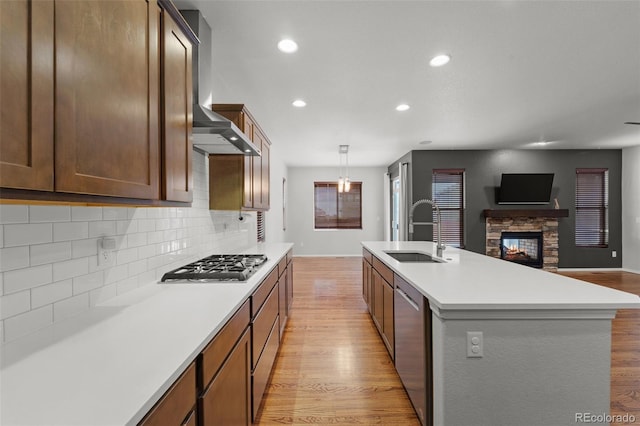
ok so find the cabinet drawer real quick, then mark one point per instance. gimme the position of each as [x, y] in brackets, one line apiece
[262, 292]
[176, 405]
[282, 266]
[263, 369]
[261, 326]
[383, 269]
[214, 354]
[366, 254]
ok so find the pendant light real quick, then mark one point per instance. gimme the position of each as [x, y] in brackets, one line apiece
[344, 184]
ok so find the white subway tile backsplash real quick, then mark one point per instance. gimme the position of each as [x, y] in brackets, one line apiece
[50, 293]
[116, 273]
[10, 213]
[84, 248]
[70, 268]
[14, 304]
[104, 228]
[126, 285]
[23, 279]
[48, 214]
[114, 213]
[82, 214]
[49, 253]
[126, 226]
[137, 240]
[126, 255]
[67, 231]
[14, 258]
[137, 267]
[28, 322]
[26, 234]
[71, 306]
[146, 225]
[102, 294]
[85, 283]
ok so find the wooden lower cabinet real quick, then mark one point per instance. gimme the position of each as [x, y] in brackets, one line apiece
[366, 283]
[177, 406]
[262, 372]
[381, 294]
[227, 400]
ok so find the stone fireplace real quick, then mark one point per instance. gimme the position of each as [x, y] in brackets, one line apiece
[522, 222]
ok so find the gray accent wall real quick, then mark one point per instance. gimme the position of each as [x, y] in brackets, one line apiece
[631, 208]
[483, 170]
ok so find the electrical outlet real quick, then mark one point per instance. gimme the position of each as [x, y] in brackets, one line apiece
[475, 344]
[614, 253]
[106, 252]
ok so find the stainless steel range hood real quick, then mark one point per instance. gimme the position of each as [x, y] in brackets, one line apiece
[212, 133]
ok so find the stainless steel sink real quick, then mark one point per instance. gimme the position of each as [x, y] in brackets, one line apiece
[407, 256]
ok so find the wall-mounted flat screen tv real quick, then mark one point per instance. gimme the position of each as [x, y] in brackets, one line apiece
[525, 188]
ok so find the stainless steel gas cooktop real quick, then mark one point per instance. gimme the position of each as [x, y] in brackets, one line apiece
[217, 267]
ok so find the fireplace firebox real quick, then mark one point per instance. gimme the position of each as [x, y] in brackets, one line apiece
[522, 247]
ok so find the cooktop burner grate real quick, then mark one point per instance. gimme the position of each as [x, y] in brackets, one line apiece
[218, 267]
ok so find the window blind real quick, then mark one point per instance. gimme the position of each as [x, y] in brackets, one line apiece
[337, 210]
[592, 204]
[447, 189]
[261, 227]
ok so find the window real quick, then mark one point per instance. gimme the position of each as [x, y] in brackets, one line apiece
[592, 203]
[260, 227]
[337, 210]
[447, 188]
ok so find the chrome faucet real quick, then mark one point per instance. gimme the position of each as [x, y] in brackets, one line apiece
[439, 244]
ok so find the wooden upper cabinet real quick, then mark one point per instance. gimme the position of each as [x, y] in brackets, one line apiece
[107, 138]
[254, 170]
[178, 104]
[26, 120]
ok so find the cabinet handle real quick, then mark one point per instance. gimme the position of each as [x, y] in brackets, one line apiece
[408, 299]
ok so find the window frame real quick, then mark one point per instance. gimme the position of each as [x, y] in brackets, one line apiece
[461, 209]
[333, 184]
[583, 233]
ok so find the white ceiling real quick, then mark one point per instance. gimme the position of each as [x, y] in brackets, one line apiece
[521, 72]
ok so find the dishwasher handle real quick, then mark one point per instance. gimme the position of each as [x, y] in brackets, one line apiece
[406, 297]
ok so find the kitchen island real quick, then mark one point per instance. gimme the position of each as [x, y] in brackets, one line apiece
[545, 340]
[111, 364]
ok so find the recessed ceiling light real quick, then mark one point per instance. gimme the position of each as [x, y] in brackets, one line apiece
[287, 46]
[440, 60]
[299, 103]
[233, 138]
[402, 107]
[424, 142]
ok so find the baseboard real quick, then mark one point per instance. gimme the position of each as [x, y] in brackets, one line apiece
[591, 270]
[632, 271]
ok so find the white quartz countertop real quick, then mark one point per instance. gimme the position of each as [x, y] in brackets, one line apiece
[474, 282]
[111, 364]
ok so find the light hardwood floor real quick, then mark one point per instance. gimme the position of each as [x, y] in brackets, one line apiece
[334, 369]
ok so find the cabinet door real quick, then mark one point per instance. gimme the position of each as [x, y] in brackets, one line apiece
[107, 137]
[289, 287]
[378, 299]
[264, 160]
[227, 401]
[26, 119]
[387, 323]
[366, 279]
[178, 93]
[248, 199]
[177, 405]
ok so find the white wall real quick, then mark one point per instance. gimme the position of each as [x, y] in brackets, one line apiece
[300, 213]
[48, 254]
[274, 231]
[631, 209]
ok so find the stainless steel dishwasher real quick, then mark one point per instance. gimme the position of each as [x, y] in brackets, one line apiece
[412, 322]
